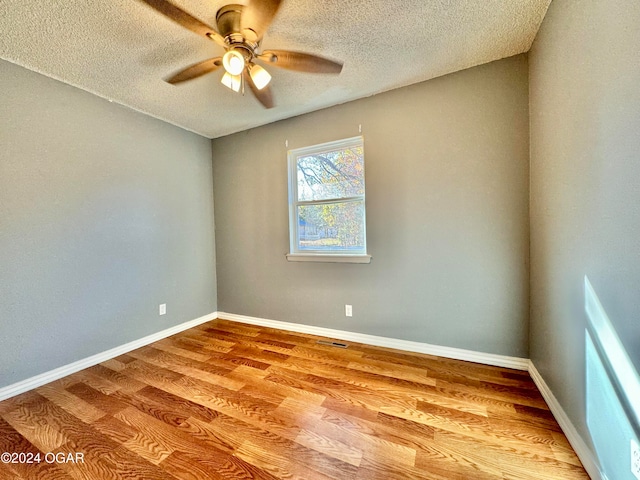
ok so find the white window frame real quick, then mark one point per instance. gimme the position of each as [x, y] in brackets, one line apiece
[297, 255]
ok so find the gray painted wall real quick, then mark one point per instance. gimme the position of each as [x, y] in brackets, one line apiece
[447, 216]
[104, 214]
[585, 185]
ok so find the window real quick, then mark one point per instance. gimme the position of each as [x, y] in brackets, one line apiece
[326, 202]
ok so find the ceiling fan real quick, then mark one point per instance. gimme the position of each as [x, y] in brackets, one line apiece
[240, 31]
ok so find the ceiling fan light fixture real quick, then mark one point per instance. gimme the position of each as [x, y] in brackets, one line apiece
[233, 62]
[259, 75]
[240, 31]
[234, 82]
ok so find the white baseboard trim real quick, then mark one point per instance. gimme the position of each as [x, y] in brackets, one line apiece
[55, 374]
[407, 345]
[575, 439]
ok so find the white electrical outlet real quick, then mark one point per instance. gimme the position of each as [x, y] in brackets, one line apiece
[163, 308]
[348, 311]
[635, 459]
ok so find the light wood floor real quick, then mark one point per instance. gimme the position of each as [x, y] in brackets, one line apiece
[233, 401]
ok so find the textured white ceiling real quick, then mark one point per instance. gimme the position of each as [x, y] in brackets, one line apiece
[122, 49]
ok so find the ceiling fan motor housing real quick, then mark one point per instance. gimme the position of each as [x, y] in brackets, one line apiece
[228, 21]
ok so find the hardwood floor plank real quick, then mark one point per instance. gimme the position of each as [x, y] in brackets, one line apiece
[412, 374]
[206, 371]
[207, 434]
[124, 465]
[114, 429]
[87, 467]
[329, 446]
[124, 382]
[166, 345]
[276, 465]
[171, 439]
[149, 448]
[477, 428]
[263, 340]
[462, 399]
[279, 386]
[297, 413]
[226, 467]
[495, 392]
[362, 378]
[19, 400]
[185, 466]
[178, 404]
[103, 403]
[8, 472]
[151, 407]
[45, 471]
[146, 371]
[378, 431]
[493, 457]
[69, 402]
[97, 382]
[371, 445]
[375, 469]
[234, 431]
[12, 441]
[44, 436]
[230, 401]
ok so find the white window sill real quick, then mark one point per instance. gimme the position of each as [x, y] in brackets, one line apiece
[330, 258]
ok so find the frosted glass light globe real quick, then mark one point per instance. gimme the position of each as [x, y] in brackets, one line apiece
[233, 62]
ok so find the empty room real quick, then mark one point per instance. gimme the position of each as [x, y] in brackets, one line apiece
[283, 239]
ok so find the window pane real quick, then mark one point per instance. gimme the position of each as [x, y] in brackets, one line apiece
[331, 175]
[331, 226]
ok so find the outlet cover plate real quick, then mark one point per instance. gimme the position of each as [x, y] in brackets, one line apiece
[163, 309]
[348, 310]
[635, 459]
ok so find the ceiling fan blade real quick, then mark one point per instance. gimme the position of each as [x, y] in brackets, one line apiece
[264, 96]
[301, 62]
[197, 70]
[257, 16]
[188, 21]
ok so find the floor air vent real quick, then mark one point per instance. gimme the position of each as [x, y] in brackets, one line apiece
[332, 344]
